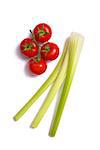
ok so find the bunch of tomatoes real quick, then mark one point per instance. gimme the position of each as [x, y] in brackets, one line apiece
[38, 49]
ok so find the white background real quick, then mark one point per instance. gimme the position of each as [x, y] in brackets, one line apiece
[80, 125]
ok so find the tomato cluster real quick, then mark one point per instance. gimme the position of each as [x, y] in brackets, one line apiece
[38, 49]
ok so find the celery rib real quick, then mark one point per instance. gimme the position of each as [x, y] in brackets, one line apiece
[45, 85]
[77, 43]
[55, 87]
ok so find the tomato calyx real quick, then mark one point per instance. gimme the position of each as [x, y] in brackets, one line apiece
[42, 32]
[27, 47]
[36, 58]
[47, 49]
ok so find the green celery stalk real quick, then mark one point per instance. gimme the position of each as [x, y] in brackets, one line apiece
[45, 85]
[76, 41]
[55, 87]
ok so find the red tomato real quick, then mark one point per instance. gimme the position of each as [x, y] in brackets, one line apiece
[28, 47]
[37, 66]
[42, 32]
[49, 51]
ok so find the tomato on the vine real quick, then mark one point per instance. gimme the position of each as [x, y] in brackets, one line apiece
[42, 32]
[37, 65]
[49, 51]
[28, 47]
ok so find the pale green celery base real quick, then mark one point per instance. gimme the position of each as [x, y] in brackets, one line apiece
[55, 87]
[46, 84]
[77, 42]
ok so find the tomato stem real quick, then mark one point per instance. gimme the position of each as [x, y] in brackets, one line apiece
[39, 50]
[33, 38]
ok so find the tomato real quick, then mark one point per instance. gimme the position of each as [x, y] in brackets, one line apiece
[28, 47]
[37, 66]
[49, 51]
[42, 32]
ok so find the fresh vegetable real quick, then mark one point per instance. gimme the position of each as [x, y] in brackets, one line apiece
[76, 43]
[45, 85]
[49, 51]
[33, 46]
[42, 32]
[29, 47]
[55, 87]
[37, 65]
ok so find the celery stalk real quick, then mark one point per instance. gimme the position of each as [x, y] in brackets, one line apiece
[77, 43]
[45, 85]
[55, 87]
